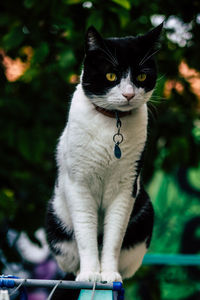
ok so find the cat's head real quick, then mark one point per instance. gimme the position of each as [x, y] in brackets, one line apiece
[120, 73]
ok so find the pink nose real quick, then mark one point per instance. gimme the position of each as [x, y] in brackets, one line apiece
[128, 96]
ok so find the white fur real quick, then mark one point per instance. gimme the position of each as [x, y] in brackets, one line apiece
[131, 259]
[92, 179]
[29, 250]
[69, 260]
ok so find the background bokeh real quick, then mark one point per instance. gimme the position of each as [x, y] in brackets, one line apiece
[41, 52]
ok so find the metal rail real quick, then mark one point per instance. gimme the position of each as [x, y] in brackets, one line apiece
[62, 284]
[88, 290]
[11, 281]
[172, 259]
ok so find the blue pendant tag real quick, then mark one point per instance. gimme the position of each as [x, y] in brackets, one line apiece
[118, 137]
[117, 151]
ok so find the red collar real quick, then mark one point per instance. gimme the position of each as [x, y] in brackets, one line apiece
[112, 113]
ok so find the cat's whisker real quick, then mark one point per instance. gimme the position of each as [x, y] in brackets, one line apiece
[113, 60]
[155, 96]
[157, 99]
[111, 55]
[147, 70]
[86, 83]
[141, 62]
[161, 77]
[144, 60]
[154, 101]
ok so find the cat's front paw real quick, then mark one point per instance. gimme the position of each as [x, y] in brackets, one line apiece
[89, 276]
[110, 276]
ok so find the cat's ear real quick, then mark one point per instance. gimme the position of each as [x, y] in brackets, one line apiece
[93, 40]
[153, 36]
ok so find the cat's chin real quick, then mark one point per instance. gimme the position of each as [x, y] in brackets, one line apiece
[112, 107]
[124, 108]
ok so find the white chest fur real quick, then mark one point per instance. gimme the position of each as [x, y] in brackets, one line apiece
[86, 146]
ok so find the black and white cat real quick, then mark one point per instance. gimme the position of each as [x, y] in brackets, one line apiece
[100, 219]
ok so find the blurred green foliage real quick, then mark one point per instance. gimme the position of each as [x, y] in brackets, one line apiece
[33, 108]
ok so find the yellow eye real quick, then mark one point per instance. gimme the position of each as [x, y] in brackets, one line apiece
[141, 77]
[111, 76]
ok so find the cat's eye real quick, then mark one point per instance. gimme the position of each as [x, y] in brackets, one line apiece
[111, 76]
[141, 77]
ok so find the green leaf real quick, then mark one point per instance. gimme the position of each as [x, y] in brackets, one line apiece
[123, 15]
[24, 144]
[40, 53]
[96, 19]
[4, 19]
[71, 2]
[14, 38]
[124, 3]
[29, 3]
[30, 74]
[66, 58]
[7, 204]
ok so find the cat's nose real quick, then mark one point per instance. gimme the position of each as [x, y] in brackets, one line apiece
[128, 96]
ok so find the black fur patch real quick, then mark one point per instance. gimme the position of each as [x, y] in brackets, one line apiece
[140, 225]
[139, 165]
[56, 231]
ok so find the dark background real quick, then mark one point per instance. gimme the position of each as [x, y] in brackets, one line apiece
[41, 51]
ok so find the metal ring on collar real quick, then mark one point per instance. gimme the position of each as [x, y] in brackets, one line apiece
[120, 138]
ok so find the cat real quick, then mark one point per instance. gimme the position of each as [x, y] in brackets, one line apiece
[100, 218]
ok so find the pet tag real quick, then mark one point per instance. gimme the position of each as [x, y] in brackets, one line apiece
[117, 151]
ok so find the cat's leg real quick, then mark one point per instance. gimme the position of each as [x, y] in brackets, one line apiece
[61, 239]
[83, 212]
[115, 223]
[137, 237]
